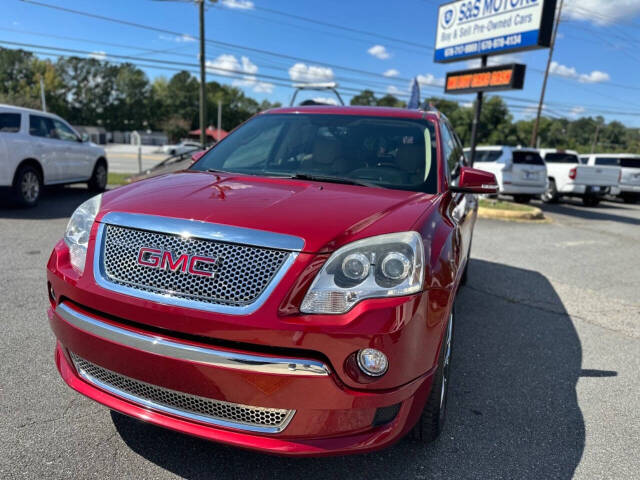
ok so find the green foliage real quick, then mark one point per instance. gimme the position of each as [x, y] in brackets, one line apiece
[120, 97]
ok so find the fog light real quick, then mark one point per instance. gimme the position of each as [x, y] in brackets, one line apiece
[372, 362]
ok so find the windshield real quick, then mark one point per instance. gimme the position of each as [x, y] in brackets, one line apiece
[561, 158]
[386, 152]
[527, 158]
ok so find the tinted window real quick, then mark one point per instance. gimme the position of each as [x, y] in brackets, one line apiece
[63, 132]
[630, 162]
[41, 126]
[488, 155]
[10, 122]
[452, 149]
[527, 158]
[392, 153]
[561, 158]
[607, 161]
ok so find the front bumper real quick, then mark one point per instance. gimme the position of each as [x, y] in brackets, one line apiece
[329, 418]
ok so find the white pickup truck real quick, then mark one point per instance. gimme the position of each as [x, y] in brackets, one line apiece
[629, 163]
[568, 177]
[39, 148]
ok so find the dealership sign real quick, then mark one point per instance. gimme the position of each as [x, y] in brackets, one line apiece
[487, 79]
[472, 28]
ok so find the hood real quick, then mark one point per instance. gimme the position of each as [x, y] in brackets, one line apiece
[326, 216]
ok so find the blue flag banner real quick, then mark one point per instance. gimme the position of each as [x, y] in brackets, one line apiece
[414, 101]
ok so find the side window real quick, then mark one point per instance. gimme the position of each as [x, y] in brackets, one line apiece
[453, 152]
[10, 122]
[63, 132]
[41, 127]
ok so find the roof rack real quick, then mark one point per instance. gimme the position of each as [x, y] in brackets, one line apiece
[321, 87]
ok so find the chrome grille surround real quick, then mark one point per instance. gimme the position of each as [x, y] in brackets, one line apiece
[252, 262]
[192, 407]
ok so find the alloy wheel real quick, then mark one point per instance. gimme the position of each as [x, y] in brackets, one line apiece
[30, 187]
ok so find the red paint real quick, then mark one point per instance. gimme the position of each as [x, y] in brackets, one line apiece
[333, 413]
[477, 181]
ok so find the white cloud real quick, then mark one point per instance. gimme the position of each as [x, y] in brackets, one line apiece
[430, 79]
[393, 90]
[238, 4]
[184, 38]
[596, 76]
[327, 100]
[379, 51]
[229, 65]
[577, 111]
[392, 72]
[98, 55]
[301, 72]
[601, 12]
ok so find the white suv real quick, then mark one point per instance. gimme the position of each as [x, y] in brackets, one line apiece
[520, 172]
[39, 148]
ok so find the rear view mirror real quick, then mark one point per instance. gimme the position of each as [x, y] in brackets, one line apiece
[472, 180]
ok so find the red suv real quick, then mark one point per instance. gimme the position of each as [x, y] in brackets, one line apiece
[292, 292]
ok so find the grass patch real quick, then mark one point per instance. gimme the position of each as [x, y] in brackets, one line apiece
[502, 205]
[118, 178]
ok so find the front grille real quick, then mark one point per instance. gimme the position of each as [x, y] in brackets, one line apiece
[241, 274]
[266, 420]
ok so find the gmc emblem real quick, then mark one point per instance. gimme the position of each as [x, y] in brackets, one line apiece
[191, 264]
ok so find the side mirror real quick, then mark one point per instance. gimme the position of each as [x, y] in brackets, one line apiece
[472, 180]
[85, 137]
[198, 155]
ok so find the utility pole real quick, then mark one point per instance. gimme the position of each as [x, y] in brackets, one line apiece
[203, 79]
[595, 138]
[42, 99]
[536, 125]
[476, 118]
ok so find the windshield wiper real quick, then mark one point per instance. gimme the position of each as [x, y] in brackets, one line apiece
[322, 178]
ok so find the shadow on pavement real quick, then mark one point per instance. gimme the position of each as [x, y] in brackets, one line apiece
[513, 411]
[56, 202]
[601, 212]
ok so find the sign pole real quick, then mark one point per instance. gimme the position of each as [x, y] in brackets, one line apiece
[203, 79]
[476, 118]
[536, 125]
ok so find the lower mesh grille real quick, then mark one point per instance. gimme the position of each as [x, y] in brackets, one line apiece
[234, 415]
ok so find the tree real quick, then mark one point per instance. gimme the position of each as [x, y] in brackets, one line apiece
[366, 98]
[390, 101]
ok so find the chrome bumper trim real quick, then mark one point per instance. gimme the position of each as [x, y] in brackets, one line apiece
[172, 410]
[183, 351]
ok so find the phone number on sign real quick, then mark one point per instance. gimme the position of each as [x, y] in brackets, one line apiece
[484, 45]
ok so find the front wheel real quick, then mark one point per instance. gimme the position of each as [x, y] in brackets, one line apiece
[629, 198]
[431, 421]
[27, 186]
[98, 180]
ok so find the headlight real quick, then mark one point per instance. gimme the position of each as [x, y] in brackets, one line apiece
[77, 235]
[384, 266]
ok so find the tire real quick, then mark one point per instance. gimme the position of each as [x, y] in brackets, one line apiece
[590, 201]
[98, 180]
[551, 193]
[629, 199]
[522, 198]
[27, 186]
[433, 416]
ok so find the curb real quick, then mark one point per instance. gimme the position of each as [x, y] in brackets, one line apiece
[535, 215]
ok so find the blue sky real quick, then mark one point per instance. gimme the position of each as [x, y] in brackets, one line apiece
[597, 57]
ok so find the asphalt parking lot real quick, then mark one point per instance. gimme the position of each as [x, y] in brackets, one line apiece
[546, 367]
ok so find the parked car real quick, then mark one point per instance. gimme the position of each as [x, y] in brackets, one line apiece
[185, 146]
[292, 292]
[521, 172]
[38, 148]
[171, 164]
[629, 187]
[568, 177]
